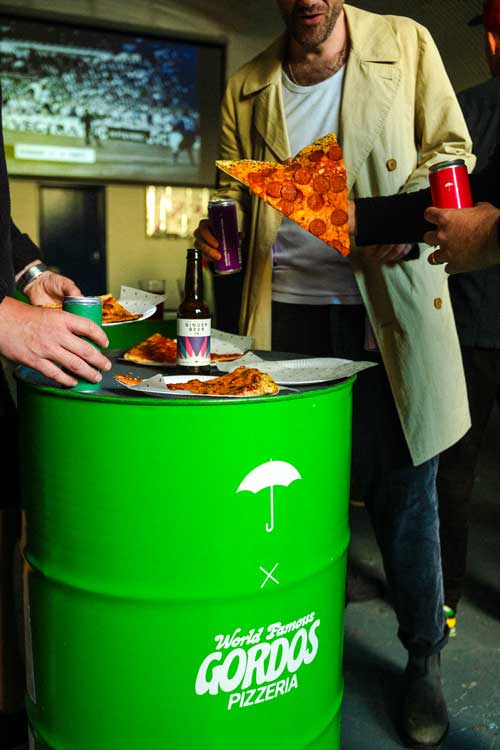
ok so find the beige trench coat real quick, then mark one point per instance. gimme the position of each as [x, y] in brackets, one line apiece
[396, 90]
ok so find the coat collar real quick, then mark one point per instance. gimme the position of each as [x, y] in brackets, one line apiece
[265, 69]
[264, 82]
[371, 36]
[372, 67]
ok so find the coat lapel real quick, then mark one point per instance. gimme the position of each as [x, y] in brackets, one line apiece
[270, 121]
[372, 67]
[264, 83]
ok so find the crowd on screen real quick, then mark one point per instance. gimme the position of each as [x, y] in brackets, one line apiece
[49, 92]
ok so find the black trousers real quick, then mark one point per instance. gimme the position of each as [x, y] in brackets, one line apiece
[457, 468]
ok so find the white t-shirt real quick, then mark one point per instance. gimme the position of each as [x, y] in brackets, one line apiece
[307, 271]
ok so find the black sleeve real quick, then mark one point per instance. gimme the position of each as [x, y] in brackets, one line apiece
[485, 185]
[392, 219]
[24, 250]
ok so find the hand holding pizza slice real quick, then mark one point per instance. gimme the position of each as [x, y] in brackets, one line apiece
[311, 189]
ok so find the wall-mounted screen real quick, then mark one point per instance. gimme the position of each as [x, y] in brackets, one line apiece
[83, 102]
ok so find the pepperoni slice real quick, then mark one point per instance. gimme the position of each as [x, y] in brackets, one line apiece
[289, 192]
[256, 177]
[339, 217]
[315, 202]
[286, 207]
[321, 184]
[317, 227]
[337, 184]
[303, 175]
[316, 155]
[273, 189]
[335, 153]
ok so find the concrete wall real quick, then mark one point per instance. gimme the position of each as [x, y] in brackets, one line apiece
[247, 26]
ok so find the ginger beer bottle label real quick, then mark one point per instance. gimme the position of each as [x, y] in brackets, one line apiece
[193, 341]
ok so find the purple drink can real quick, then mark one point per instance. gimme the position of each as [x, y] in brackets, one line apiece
[224, 225]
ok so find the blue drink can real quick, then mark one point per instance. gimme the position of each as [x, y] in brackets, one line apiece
[224, 225]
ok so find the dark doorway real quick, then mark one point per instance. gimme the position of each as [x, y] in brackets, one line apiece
[72, 234]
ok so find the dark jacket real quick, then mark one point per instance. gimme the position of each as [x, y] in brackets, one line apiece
[476, 295]
[16, 249]
[16, 252]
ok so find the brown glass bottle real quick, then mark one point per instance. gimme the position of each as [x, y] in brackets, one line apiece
[193, 321]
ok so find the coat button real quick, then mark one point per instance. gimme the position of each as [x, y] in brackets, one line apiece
[392, 165]
[438, 303]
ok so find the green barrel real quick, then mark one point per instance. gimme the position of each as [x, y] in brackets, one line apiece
[185, 569]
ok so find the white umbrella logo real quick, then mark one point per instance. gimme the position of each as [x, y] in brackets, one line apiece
[270, 474]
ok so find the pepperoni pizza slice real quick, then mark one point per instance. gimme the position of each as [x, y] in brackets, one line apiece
[160, 350]
[114, 312]
[244, 381]
[311, 189]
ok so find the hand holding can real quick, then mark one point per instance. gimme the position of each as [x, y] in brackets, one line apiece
[224, 224]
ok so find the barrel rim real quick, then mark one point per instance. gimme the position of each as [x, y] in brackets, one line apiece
[22, 374]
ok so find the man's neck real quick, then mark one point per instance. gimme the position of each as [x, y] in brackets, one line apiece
[310, 66]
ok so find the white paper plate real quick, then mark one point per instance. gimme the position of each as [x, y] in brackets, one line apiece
[147, 314]
[301, 371]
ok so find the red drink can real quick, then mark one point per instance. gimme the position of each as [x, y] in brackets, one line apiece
[450, 186]
[224, 225]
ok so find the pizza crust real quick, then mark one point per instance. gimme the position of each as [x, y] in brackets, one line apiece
[128, 379]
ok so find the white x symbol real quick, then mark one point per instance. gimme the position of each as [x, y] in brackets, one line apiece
[269, 575]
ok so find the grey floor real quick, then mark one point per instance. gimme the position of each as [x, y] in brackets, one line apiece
[374, 659]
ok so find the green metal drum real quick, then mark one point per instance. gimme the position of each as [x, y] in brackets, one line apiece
[185, 569]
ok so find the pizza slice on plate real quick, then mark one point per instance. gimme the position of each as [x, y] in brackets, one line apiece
[154, 350]
[160, 350]
[244, 381]
[311, 189]
[114, 312]
[128, 379]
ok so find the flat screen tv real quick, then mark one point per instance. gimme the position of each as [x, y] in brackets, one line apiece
[105, 104]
